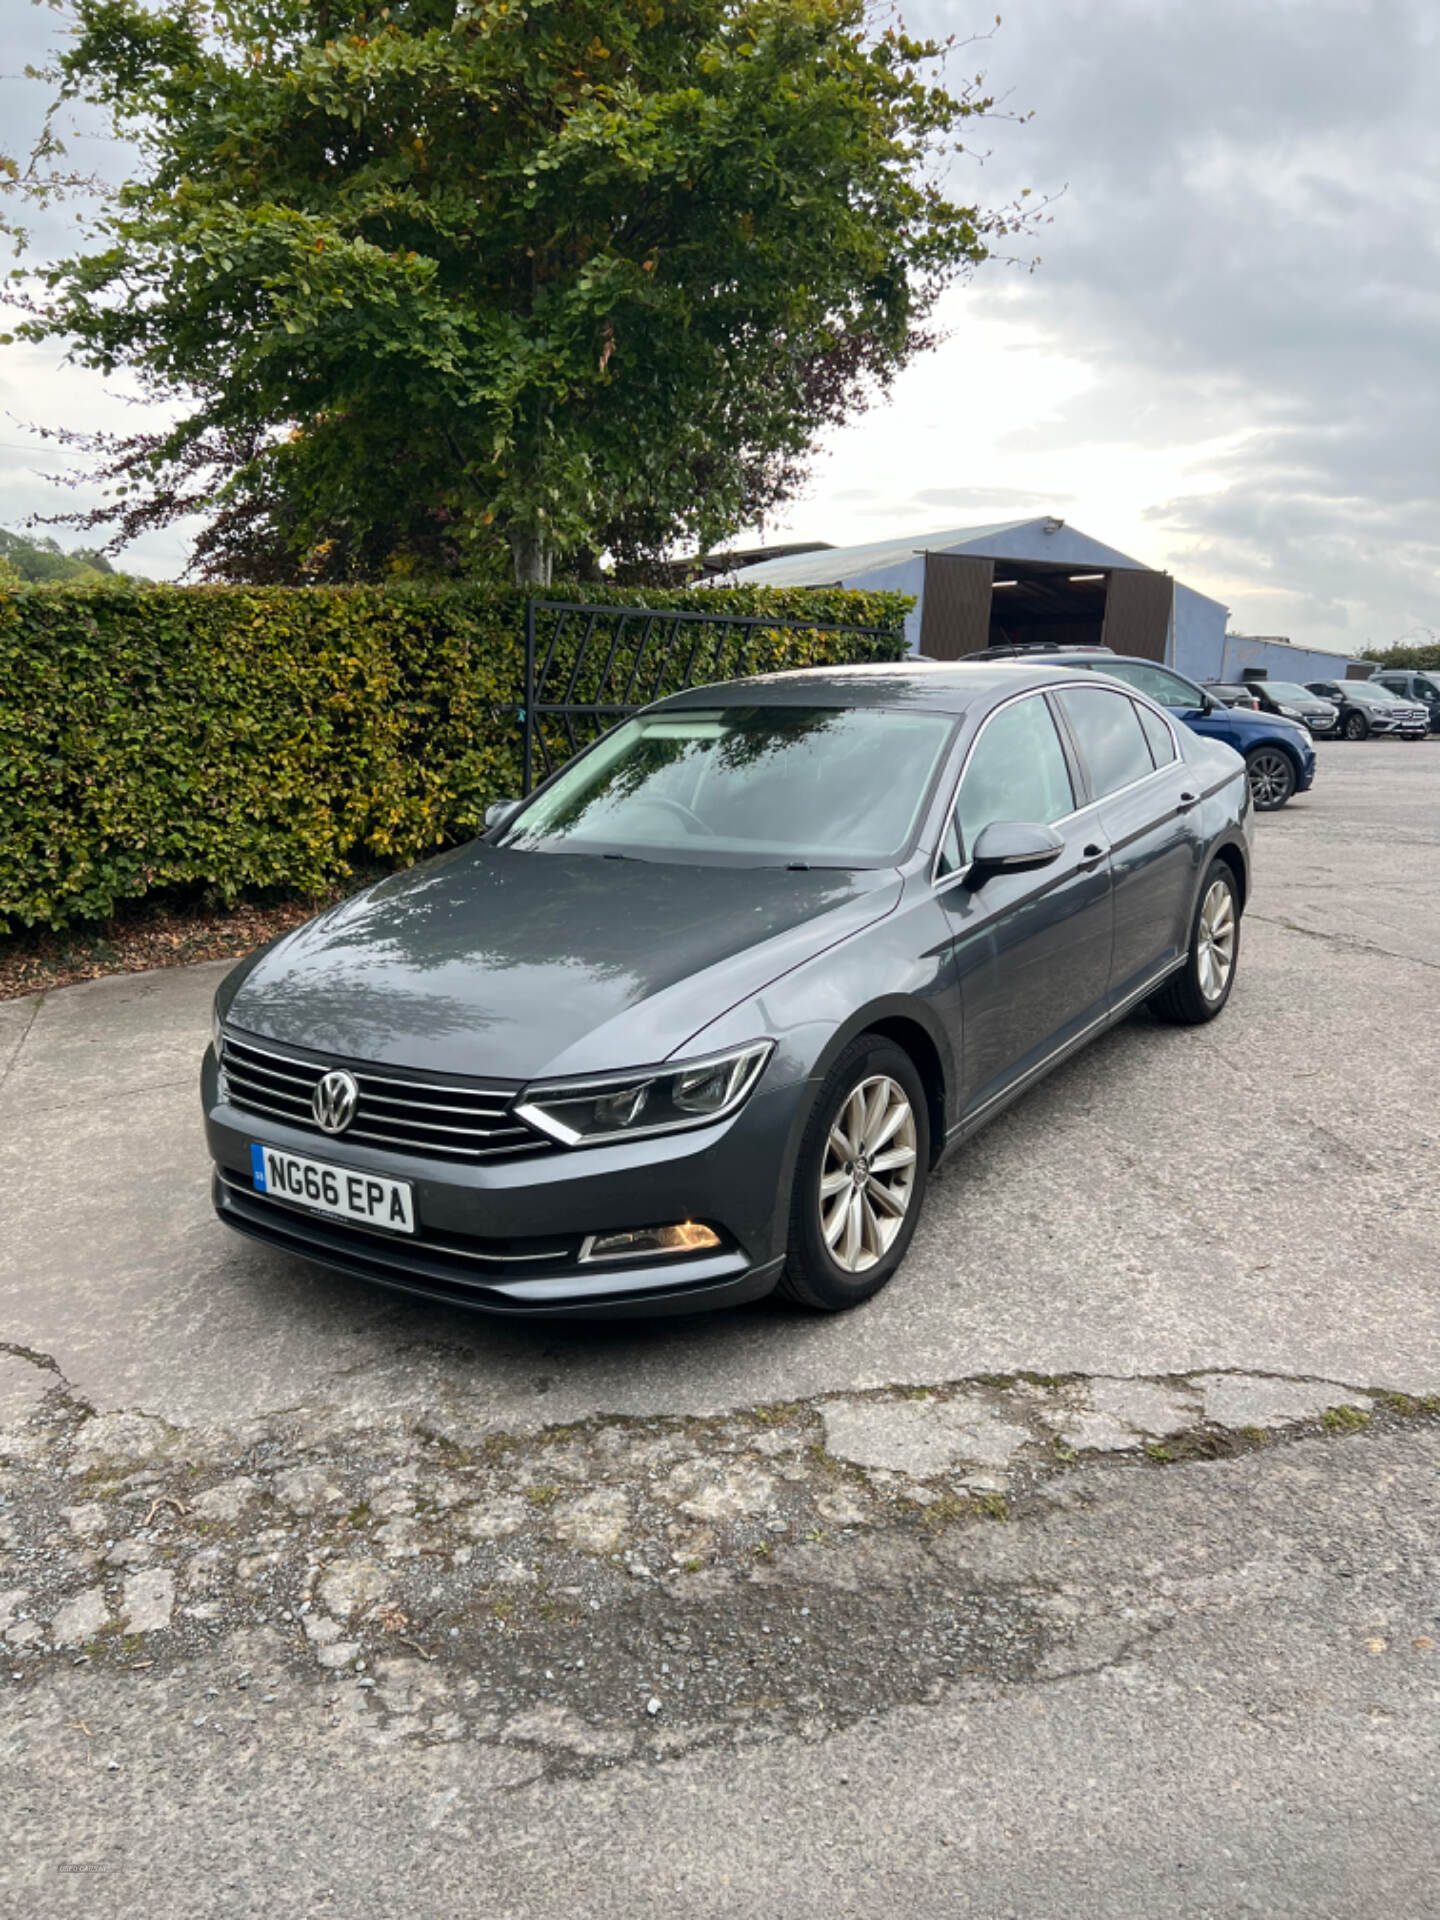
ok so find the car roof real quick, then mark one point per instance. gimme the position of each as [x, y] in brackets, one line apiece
[939, 686]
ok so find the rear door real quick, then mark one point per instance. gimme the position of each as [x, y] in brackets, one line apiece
[1143, 794]
[1031, 950]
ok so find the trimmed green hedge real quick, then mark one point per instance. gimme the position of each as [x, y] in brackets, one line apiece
[244, 739]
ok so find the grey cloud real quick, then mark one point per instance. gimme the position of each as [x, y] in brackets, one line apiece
[1245, 245]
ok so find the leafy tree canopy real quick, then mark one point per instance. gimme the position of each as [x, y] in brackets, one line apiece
[446, 280]
[1418, 652]
[42, 560]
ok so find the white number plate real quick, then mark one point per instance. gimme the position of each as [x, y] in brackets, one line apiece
[367, 1197]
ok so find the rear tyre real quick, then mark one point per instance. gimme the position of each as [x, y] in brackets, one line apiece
[859, 1179]
[1355, 726]
[1271, 773]
[1199, 989]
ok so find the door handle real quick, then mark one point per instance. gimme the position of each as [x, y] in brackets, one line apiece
[1091, 856]
[1187, 800]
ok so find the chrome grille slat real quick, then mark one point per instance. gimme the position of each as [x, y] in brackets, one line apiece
[306, 1080]
[454, 1121]
[318, 1067]
[237, 1077]
[429, 1106]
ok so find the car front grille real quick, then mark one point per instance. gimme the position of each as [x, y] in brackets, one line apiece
[456, 1119]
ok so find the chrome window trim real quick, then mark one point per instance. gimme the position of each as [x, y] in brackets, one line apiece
[1030, 693]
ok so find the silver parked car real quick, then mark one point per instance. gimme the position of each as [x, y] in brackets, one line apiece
[1366, 708]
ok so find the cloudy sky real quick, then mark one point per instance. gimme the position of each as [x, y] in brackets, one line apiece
[1226, 362]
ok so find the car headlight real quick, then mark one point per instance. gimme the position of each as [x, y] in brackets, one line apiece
[627, 1106]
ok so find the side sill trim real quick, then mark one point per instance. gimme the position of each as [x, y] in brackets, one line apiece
[1110, 1016]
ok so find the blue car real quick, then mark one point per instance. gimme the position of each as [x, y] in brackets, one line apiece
[1279, 754]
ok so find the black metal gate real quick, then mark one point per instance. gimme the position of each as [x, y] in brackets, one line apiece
[587, 666]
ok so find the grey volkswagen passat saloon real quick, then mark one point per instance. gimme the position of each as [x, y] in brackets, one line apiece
[698, 1019]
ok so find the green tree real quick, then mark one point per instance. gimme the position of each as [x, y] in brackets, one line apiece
[444, 279]
[1419, 651]
[42, 560]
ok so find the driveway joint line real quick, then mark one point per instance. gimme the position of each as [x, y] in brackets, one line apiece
[25, 1032]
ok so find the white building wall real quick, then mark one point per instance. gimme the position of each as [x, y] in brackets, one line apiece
[908, 576]
[1197, 634]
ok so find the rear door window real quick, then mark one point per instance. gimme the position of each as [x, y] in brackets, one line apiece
[1107, 730]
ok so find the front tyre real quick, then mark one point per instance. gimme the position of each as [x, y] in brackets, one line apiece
[1271, 773]
[1199, 989]
[1356, 726]
[859, 1179]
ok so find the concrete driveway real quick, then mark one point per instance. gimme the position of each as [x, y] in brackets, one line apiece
[1092, 1568]
[1252, 1195]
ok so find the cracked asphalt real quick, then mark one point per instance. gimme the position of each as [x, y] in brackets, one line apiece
[1092, 1568]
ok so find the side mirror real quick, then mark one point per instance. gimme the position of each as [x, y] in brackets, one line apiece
[500, 811]
[1011, 846]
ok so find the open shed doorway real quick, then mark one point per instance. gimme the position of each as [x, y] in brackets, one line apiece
[972, 603]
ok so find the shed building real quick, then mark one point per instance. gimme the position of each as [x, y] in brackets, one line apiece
[1042, 581]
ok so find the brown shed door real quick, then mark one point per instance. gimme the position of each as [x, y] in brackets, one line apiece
[955, 615]
[1137, 612]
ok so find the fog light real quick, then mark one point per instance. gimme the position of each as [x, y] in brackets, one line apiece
[645, 1242]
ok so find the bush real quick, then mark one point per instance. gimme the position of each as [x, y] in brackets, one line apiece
[1419, 659]
[244, 739]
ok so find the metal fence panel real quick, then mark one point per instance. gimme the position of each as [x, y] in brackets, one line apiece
[588, 665]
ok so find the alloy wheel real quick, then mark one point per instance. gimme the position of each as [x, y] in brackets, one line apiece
[1271, 778]
[867, 1176]
[1215, 940]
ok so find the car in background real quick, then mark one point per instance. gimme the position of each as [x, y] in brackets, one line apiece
[1295, 702]
[696, 1019]
[1409, 685]
[1279, 754]
[1231, 695]
[1366, 708]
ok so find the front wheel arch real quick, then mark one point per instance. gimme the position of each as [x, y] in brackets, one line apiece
[898, 1020]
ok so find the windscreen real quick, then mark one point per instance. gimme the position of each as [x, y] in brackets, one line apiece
[1288, 690]
[820, 786]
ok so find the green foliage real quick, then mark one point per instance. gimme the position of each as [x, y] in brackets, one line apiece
[526, 274]
[42, 560]
[247, 739]
[1417, 659]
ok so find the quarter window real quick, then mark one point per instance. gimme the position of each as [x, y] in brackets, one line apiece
[1162, 747]
[1107, 729]
[1016, 771]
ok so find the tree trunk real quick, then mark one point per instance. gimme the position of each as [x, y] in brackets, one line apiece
[532, 557]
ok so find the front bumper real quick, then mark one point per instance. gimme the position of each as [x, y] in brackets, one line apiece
[504, 1236]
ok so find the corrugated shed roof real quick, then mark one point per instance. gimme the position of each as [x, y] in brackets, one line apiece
[835, 564]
